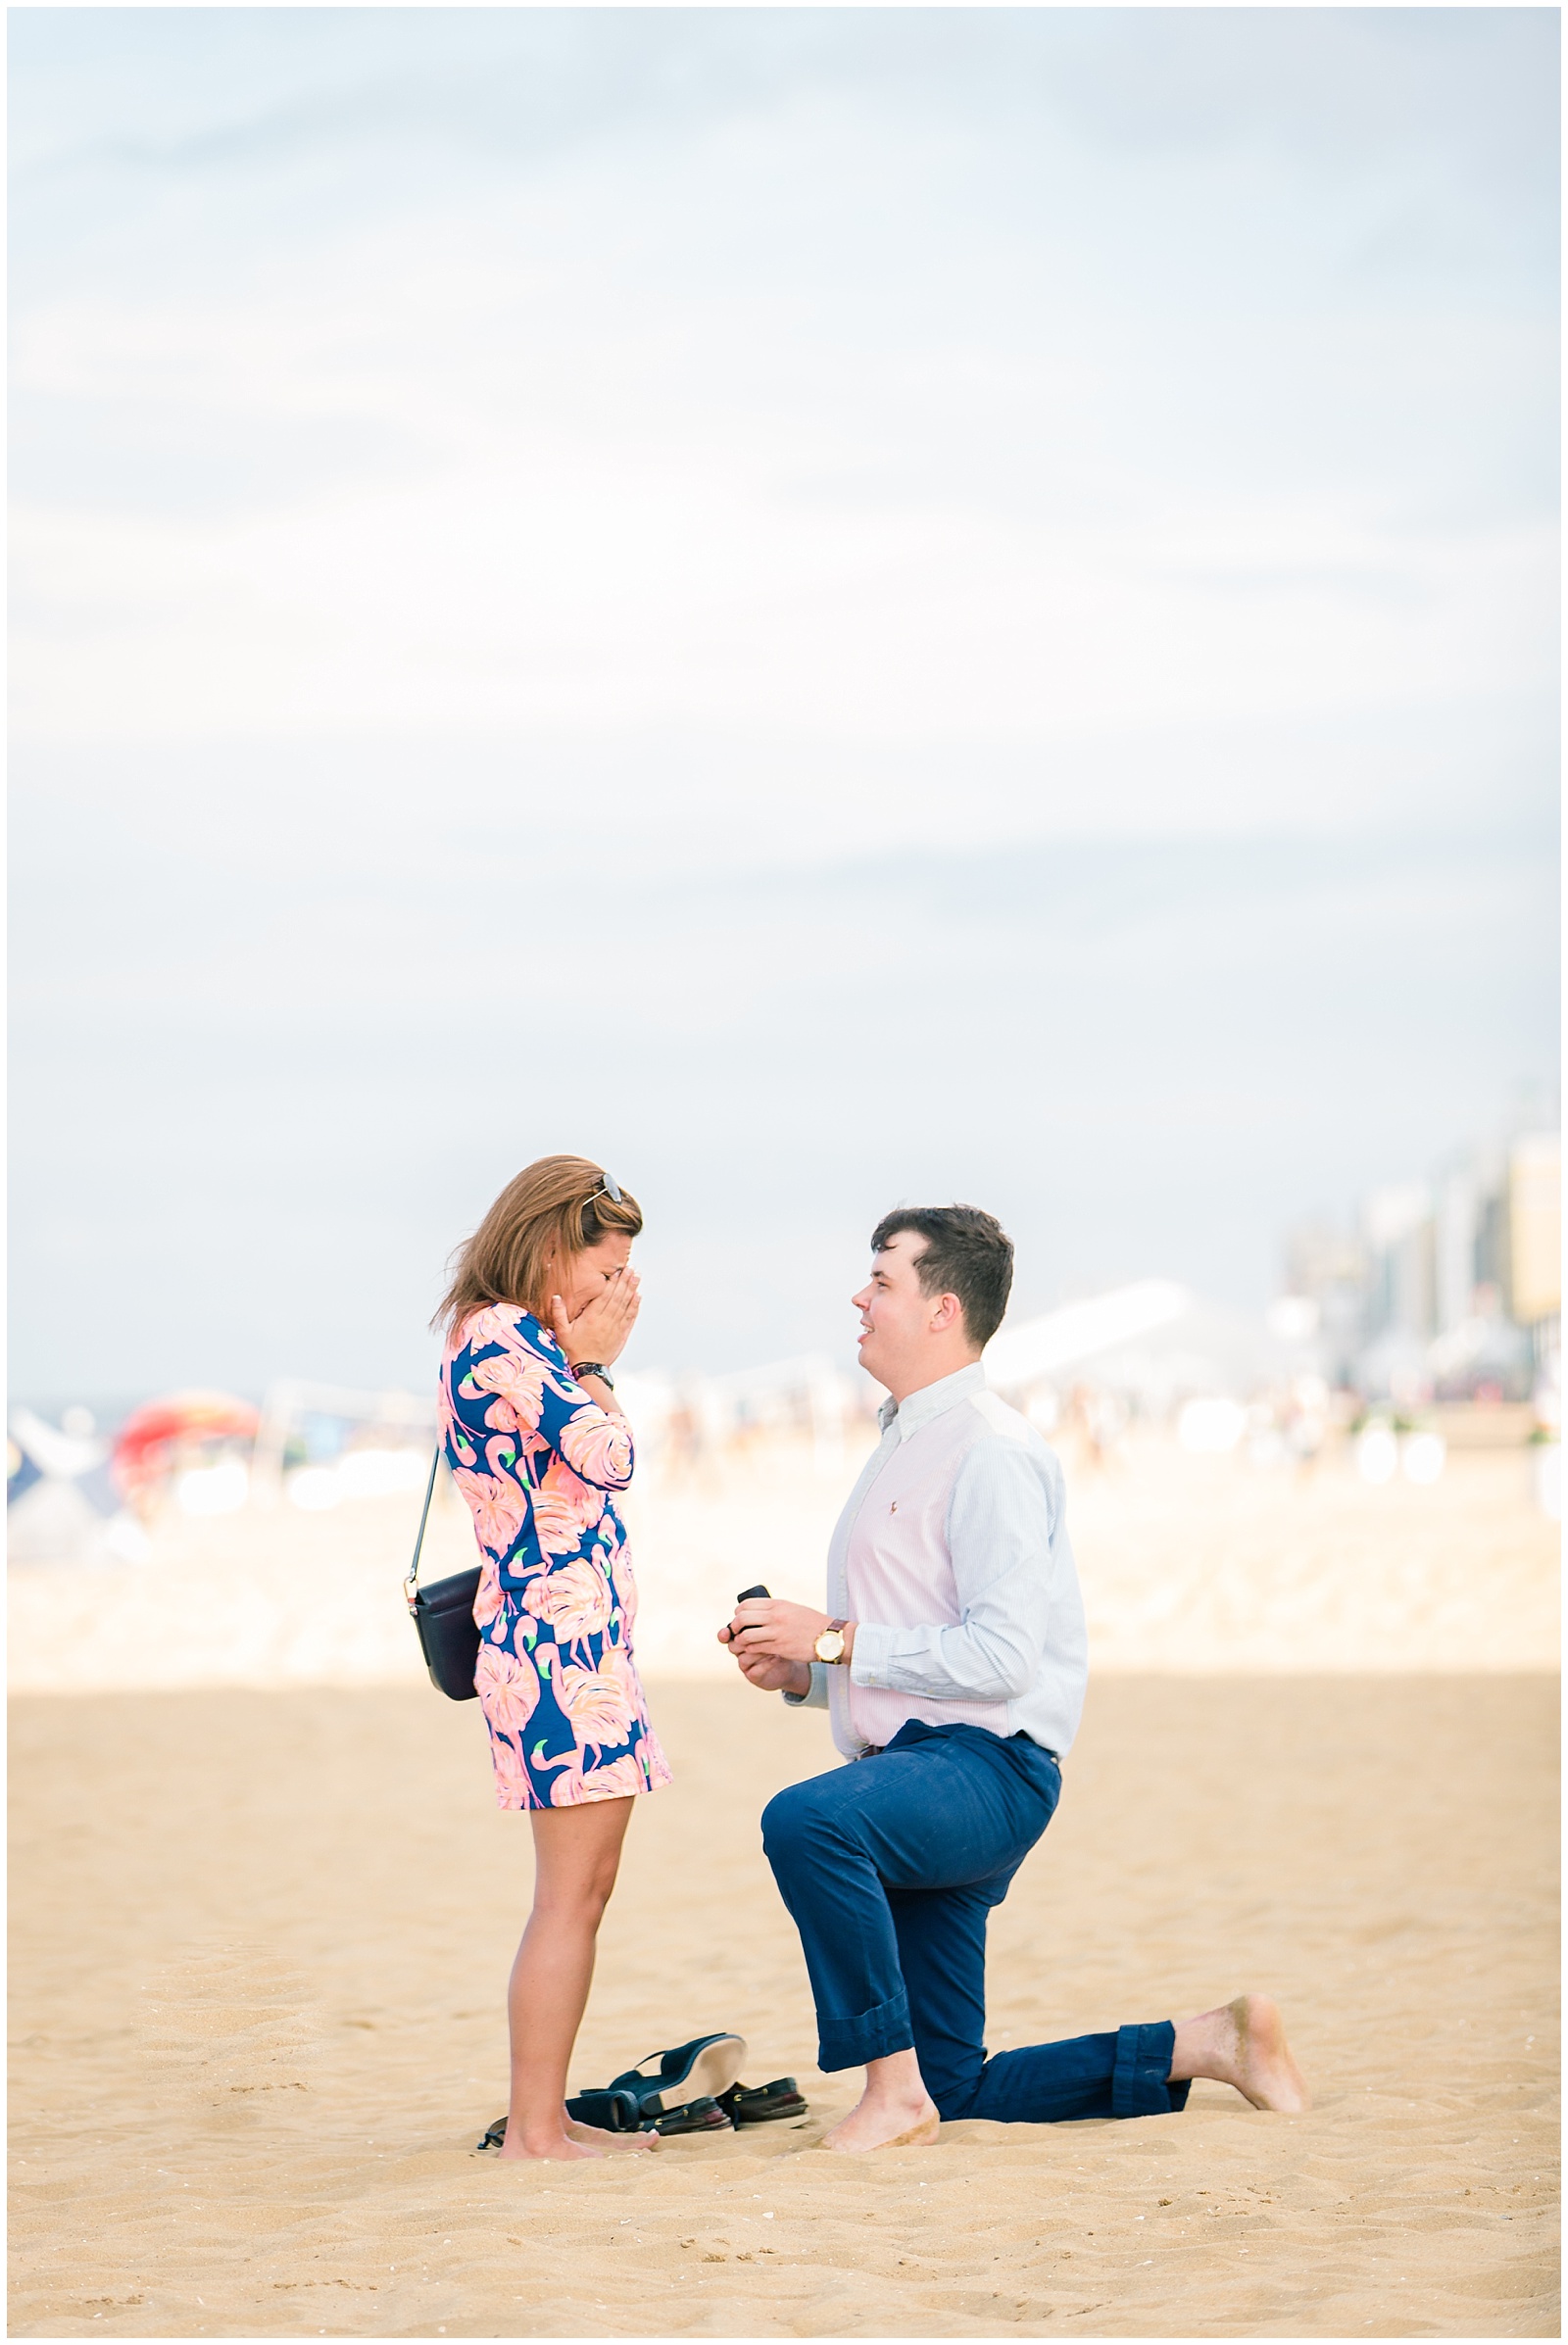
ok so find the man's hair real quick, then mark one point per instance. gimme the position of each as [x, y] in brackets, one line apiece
[967, 1254]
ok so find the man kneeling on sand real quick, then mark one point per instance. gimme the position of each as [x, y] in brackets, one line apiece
[954, 1663]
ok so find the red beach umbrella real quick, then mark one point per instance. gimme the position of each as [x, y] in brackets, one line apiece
[148, 1441]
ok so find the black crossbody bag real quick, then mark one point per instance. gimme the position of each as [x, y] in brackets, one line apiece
[443, 1615]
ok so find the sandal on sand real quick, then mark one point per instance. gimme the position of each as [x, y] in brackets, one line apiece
[680, 2096]
[703, 2069]
[702, 2115]
[611, 2111]
[760, 2104]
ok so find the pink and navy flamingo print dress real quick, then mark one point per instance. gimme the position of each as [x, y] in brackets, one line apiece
[538, 1463]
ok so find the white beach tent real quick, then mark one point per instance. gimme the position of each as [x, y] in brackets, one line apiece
[1154, 1342]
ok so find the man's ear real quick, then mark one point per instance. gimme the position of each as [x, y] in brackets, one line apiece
[948, 1312]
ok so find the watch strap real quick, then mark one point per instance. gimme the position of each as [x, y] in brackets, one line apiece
[582, 1368]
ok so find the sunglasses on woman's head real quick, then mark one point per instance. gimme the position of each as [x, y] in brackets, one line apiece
[609, 1190]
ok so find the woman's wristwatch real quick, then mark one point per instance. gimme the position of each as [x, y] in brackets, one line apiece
[829, 1646]
[594, 1368]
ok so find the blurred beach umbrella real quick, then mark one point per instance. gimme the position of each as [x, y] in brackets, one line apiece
[21, 1471]
[1154, 1342]
[63, 1504]
[63, 1452]
[1081, 1331]
[154, 1437]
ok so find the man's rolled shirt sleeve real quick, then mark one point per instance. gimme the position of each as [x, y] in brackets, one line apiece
[999, 1535]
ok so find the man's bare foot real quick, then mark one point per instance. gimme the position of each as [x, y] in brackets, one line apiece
[884, 2128]
[1242, 2043]
[895, 2112]
[858, 2135]
[885, 2123]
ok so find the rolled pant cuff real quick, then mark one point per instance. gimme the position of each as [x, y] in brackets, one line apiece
[1139, 2084]
[869, 2035]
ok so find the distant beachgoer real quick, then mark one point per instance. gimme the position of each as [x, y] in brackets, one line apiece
[540, 1306]
[953, 1664]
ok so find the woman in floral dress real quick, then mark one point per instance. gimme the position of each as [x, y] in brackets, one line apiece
[540, 1306]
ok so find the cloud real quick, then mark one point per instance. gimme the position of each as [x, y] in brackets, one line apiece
[727, 495]
[490, 474]
[920, 369]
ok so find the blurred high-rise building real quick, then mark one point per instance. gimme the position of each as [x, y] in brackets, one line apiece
[1535, 1235]
[1451, 1285]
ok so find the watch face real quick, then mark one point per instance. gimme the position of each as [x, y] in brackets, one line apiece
[830, 1645]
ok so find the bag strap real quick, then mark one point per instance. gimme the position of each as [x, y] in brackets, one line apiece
[410, 1583]
[411, 1578]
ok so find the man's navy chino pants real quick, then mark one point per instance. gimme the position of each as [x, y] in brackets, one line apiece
[890, 1868]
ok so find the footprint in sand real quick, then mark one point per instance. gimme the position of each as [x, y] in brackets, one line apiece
[230, 2025]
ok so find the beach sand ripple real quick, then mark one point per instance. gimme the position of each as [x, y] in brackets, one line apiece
[226, 2022]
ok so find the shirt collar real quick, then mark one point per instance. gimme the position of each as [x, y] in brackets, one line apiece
[918, 1409]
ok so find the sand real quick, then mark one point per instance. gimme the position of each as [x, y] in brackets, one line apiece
[259, 1941]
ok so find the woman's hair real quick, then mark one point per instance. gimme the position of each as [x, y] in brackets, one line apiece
[551, 1208]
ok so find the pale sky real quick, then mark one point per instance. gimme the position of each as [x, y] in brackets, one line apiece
[827, 606]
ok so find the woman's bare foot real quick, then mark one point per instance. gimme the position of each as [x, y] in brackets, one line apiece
[546, 2145]
[609, 2144]
[893, 2113]
[1242, 2043]
[573, 2140]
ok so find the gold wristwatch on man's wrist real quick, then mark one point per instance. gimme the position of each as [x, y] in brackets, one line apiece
[829, 1646]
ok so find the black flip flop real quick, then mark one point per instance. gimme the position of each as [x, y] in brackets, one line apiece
[611, 2111]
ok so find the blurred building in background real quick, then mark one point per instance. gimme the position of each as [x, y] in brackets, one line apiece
[1447, 1288]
